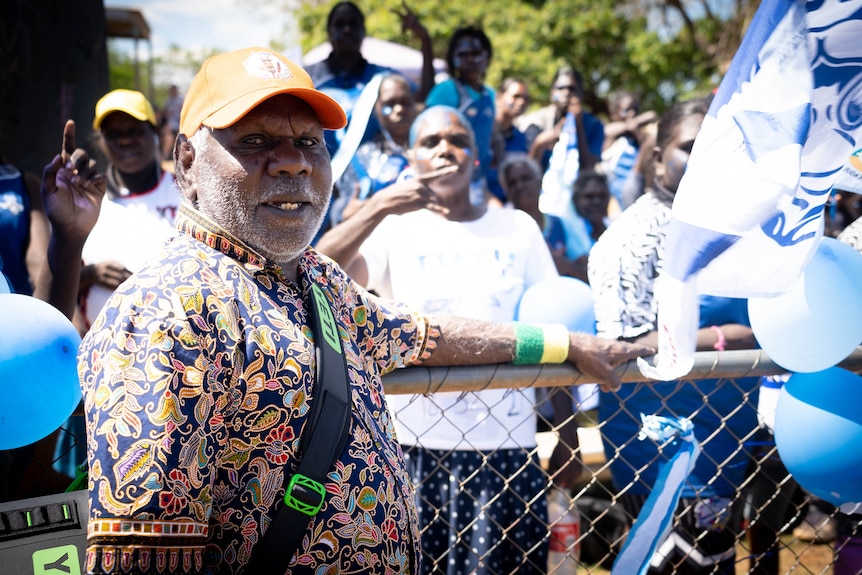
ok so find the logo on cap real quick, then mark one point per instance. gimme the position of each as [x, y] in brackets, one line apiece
[266, 66]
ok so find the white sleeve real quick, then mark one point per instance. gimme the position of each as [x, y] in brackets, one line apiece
[375, 251]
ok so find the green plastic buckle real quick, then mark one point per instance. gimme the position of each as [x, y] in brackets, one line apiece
[304, 494]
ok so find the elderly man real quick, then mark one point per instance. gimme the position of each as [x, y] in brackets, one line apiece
[201, 373]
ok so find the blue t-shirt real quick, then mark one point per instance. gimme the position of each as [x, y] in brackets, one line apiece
[554, 232]
[14, 228]
[516, 142]
[345, 88]
[723, 411]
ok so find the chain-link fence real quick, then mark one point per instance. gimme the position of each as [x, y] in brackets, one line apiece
[763, 515]
[748, 501]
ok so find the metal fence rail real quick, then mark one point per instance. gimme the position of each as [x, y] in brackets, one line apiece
[764, 542]
[707, 364]
[763, 547]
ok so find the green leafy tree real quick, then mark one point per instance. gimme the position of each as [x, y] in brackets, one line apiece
[662, 49]
[123, 69]
[175, 66]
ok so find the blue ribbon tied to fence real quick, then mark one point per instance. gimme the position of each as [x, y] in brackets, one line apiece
[656, 517]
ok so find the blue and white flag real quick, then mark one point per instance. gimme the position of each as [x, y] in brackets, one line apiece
[748, 214]
[556, 196]
[850, 177]
[655, 519]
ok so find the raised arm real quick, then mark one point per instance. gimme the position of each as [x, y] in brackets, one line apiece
[614, 130]
[587, 159]
[544, 140]
[410, 22]
[72, 192]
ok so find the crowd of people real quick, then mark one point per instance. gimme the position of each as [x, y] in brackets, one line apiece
[421, 220]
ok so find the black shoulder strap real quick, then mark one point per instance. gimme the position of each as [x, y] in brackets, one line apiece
[322, 442]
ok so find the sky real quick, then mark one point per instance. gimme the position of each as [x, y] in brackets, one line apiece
[210, 24]
[203, 25]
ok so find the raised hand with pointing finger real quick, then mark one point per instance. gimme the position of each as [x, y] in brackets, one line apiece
[72, 192]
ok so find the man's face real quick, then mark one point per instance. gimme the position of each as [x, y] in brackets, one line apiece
[396, 107]
[130, 144]
[443, 141]
[470, 59]
[267, 179]
[566, 93]
[592, 201]
[514, 100]
[346, 31]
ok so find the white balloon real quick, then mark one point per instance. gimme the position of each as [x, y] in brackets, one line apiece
[568, 301]
[564, 300]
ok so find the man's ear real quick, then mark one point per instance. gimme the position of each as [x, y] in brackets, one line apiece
[658, 166]
[184, 157]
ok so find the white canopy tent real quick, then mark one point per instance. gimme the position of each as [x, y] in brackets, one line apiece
[406, 60]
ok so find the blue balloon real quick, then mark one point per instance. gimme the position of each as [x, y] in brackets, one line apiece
[38, 372]
[818, 432]
[564, 300]
[818, 321]
[5, 286]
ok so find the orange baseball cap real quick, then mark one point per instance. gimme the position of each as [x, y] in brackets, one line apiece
[229, 85]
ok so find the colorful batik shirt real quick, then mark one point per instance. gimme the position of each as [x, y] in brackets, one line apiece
[197, 378]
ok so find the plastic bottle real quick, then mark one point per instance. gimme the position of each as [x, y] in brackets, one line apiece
[565, 531]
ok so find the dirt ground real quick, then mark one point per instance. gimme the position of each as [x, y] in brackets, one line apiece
[796, 558]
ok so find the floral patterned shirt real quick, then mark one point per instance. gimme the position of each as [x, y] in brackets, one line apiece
[197, 379]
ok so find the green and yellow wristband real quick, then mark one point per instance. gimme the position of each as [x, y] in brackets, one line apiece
[540, 344]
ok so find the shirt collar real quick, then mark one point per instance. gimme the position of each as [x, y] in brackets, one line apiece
[197, 225]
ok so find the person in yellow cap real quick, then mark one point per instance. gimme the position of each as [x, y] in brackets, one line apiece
[141, 202]
[200, 374]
